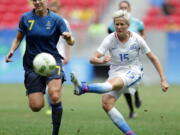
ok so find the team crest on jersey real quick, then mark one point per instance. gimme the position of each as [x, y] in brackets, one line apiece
[134, 46]
[48, 25]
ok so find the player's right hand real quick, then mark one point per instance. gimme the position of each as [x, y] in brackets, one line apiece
[8, 57]
[106, 59]
[164, 85]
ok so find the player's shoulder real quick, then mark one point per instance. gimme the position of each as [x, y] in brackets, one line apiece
[111, 24]
[110, 36]
[136, 20]
[136, 36]
[66, 21]
[55, 15]
[27, 14]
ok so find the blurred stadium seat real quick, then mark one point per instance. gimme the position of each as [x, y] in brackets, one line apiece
[82, 12]
[155, 18]
[10, 11]
[154, 11]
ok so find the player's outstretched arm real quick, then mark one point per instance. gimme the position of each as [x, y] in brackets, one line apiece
[15, 44]
[159, 68]
[96, 59]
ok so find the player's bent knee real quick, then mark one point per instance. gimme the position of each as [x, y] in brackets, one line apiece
[106, 106]
[108, 102]
[55, 98]
[55, 95]
[36, 108]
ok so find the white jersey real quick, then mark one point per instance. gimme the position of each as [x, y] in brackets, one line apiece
[124, 55]
[62, 42]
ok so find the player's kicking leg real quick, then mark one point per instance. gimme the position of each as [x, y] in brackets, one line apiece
[83, 87]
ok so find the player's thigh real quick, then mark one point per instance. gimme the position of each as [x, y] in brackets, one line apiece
[54, 85]
[54, 90]
[125, 78]
[33, 82]
[132, 78]
[116, 82]
[54, 82]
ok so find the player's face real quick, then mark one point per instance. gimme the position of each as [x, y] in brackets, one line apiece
[121, 26]
[40, 5]
[124, 6]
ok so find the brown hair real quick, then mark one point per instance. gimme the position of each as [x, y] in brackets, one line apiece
[125, 1]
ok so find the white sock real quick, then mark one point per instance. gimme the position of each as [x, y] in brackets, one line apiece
[119, 121]
[99, 87]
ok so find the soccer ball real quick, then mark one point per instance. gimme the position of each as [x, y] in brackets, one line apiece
[44, 64]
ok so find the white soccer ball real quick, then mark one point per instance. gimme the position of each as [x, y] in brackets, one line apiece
[44, 64]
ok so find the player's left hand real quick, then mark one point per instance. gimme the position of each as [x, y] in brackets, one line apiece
[164, 85]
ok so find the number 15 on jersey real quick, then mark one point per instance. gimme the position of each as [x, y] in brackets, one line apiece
[123, 57]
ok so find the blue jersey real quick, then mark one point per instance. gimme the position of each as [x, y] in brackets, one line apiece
[135, 26]
[42, 35]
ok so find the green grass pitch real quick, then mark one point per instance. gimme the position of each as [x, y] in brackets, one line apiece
[159, 114]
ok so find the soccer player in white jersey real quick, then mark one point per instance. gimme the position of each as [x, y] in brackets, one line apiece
[125, 71]
[137, 26]
[62, 46]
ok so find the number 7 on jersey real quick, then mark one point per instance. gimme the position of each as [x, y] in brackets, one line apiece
[31, 24]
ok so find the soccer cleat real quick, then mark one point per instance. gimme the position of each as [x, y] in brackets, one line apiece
[48, 112]
[77, 85]
[132, 115]
[138, 103]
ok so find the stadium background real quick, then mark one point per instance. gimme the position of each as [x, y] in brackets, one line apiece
[89, 20]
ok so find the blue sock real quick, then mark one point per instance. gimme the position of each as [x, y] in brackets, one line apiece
[97, 87]
[56, 117]
[120, 122]
[48, 98]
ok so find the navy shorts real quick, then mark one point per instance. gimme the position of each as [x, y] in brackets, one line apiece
[36, 83]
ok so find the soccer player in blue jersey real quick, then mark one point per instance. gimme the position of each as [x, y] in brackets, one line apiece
[135, 26]
[42, 29]
[125, 71]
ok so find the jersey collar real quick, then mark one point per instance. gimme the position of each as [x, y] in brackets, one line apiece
[37, 15]
[116, 36]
